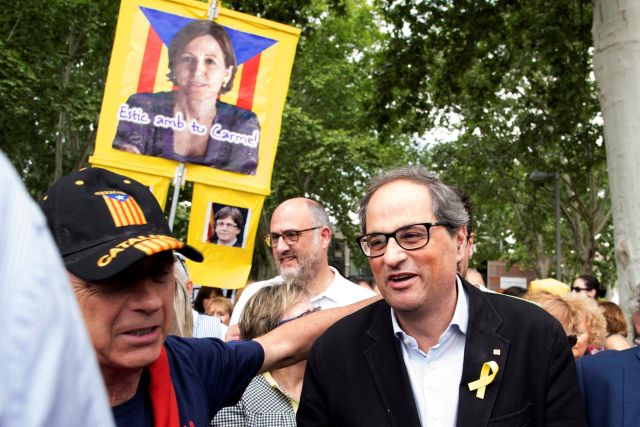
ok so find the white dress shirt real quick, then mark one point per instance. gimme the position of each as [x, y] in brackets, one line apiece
[435, 375]
[340, 292]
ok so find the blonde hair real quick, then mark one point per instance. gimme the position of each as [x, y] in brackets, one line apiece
[555, 305]
[571, 310]
[590, 311]
[266, 308]
[182, 322]
[226, 302]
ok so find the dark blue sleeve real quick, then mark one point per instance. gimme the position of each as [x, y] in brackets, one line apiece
[224, 369]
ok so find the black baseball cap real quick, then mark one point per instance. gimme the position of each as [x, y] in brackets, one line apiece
[103, 223]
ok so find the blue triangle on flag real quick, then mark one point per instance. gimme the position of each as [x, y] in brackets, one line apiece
[245, 45]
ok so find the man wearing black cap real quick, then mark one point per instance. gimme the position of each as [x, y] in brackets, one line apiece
[117, 248]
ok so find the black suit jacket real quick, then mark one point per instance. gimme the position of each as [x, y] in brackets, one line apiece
[356, 375]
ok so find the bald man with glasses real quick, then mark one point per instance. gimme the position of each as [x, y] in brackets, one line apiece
[436, 351]
[299, 238]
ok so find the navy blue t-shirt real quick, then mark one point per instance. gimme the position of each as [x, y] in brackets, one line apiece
[207, 374]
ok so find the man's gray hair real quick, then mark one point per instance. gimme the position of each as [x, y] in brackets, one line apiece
[319, 214]
[445, 200]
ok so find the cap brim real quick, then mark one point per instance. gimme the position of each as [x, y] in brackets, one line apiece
[110, 258]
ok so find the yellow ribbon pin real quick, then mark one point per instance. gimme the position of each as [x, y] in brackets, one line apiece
[487, 375]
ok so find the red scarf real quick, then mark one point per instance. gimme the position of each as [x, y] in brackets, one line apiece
[163, 396]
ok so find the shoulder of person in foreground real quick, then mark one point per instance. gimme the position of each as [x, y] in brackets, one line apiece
[41, 338]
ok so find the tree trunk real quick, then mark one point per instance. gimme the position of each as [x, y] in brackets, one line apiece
[616, 35]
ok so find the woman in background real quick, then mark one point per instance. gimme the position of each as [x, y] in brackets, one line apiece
[221, 308]
[580, 316]
[616, 326]
[272, 398]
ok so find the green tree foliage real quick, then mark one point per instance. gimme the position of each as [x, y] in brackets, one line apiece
[327, 148]
[53, 62]
[516, 77]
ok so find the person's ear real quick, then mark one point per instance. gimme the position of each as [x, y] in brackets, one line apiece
[325, 236]
[460, 239]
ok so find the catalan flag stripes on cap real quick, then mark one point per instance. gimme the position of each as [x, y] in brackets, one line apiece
[124, 209]
[158, 244]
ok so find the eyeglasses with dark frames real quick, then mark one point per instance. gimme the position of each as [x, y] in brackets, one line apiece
[409, 237]
[304, 313]
[290, 237]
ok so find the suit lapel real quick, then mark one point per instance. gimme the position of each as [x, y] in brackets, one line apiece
[631, 391]
[482, 345]
[388, 370]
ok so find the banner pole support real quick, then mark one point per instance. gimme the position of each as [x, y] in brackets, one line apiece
[214, 9]
[178, 182]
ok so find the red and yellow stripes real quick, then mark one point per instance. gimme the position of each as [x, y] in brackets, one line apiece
[124, 209]
[158, 243]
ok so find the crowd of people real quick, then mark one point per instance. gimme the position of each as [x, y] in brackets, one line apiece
[420, 342]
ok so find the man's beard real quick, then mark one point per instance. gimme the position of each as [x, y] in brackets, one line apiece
[307, 269]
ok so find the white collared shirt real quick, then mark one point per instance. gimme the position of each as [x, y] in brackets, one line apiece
[435, 375]
[340, 292]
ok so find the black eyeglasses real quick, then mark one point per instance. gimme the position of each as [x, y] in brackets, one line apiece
[409, 237]
[579, 289]
[304, 313]
[290, 237]
[573, 339]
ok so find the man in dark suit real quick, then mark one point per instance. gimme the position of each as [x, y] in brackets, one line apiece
[436, 350]
[610, 383]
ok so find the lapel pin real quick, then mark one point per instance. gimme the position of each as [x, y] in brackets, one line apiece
[487, 375]
[496, 352]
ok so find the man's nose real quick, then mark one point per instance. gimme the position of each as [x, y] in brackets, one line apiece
[147, 295]
[281, 245]
[394, 253]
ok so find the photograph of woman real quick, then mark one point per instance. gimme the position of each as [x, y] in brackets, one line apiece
[190, 124]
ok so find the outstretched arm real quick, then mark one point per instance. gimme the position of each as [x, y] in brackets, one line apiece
[291, 342]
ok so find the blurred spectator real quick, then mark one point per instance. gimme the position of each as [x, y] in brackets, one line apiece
[616, 326]
[463, 265]
[515, 291]
[221, 308]
[48, 369]
[271, 398]
[367, 283]
[182, 324]
[580, 316]
[205, 295]
[475, 277]
[589, 285]
[609, 382]
[187, 322]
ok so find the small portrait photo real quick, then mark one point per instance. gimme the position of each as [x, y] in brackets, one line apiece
[190, 123]
[225, 225]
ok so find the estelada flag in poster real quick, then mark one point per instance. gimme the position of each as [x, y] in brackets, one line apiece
[185, 89]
